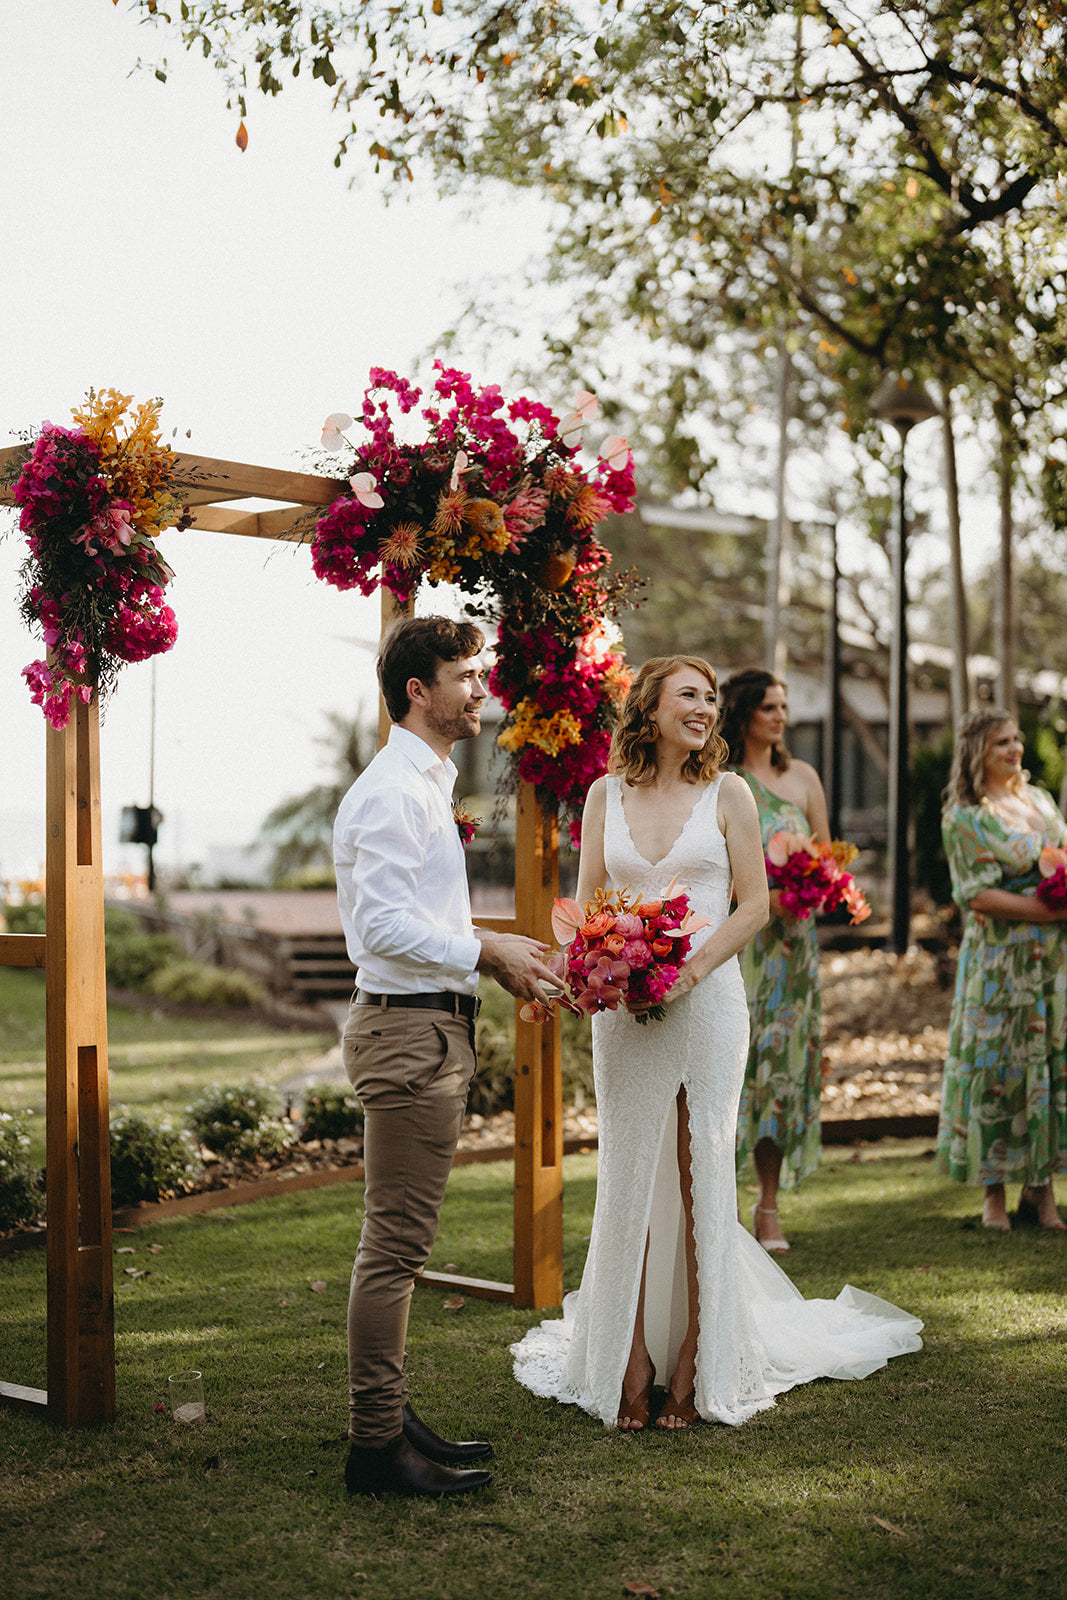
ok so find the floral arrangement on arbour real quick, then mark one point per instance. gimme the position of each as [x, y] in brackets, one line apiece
[93, 500]
[494, 500]
[813, 877]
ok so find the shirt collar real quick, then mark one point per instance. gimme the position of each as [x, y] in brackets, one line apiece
[424, 758]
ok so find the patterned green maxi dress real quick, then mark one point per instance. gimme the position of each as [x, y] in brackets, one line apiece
[1004, 1091]
[783, 1078]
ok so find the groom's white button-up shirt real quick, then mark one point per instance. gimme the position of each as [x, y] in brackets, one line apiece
[401, 875]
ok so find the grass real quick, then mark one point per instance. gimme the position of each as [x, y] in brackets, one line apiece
[941, 1476]
[158, 1062]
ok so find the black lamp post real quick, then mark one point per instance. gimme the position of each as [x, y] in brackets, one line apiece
[903, 403]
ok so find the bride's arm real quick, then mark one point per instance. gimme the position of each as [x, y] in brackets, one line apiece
[739, 821]
[592, 872]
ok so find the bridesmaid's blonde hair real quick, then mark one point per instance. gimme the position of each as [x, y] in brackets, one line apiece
[975, 733]
[634, 739]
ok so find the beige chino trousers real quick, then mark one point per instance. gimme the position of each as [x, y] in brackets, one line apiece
[411, 1069]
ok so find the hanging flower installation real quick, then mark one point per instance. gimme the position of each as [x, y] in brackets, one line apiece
[93, 500]
[495, 501]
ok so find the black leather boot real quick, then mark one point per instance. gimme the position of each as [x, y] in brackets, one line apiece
[447, 1452]
[399, 1468]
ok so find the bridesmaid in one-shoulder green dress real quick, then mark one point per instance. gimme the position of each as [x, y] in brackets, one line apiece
[778, 1117]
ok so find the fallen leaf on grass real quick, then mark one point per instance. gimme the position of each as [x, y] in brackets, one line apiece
[155, 1249]
[454, 1302]
[890, 1527]
[135, 1272]
[318, 1286]
[125, 1250]
[638, 1586]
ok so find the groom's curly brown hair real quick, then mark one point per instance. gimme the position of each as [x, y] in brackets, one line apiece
[634, 739]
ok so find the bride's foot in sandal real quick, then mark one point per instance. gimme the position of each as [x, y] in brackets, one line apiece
[676, 1414]
[634, 1407]
[768, 1234]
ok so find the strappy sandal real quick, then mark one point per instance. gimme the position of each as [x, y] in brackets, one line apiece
[635, 1412]
[683, 1412]
[773, 1246]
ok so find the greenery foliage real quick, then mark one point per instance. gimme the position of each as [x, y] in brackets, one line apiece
[330, 1111]
[132, 955]
[194, 983]
[21, 1195]
[149, 1160]
[239, 1120]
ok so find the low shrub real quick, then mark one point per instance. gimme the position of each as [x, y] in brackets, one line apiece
[493, 1085]
[239, 1120]
[192, 983]
[25, 918]
[21, 1194]
[132, 955]
[149, 1161]
[331, 1111]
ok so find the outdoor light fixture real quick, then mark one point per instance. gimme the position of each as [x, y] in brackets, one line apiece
[904, 404]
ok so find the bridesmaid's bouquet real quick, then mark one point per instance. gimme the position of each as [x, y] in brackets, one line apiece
[619, 950]
[814, 877]
[1052, 884]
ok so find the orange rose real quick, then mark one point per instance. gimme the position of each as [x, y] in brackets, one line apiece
[649, 908]
[614, 943]
[601, 923]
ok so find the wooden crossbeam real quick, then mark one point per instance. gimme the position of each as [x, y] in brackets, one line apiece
[22, 949]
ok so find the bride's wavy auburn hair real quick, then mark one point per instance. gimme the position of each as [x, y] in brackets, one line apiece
[633, 743]
[974, 735]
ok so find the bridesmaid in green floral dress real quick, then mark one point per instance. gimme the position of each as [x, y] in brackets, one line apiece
[778, 1118]
[1004, 1092]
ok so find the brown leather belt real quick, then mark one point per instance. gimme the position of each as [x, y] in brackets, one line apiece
[460, 1005]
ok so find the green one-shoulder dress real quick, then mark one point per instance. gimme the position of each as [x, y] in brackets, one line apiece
[783, 1077]
[1004, 1090]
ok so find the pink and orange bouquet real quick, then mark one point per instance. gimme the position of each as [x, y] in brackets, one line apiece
[1052, 884]
[622, 950]
[813, 877]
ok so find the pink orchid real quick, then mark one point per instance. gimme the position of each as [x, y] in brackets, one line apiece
[364, 487]
[332, 436]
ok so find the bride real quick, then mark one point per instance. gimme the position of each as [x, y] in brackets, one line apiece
[673, 1285]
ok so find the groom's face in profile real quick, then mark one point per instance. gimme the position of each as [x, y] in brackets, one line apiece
[452, 703]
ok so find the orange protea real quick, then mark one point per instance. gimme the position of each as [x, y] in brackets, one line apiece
[485, 526]
[561, 483]
[403, 547]
[450, 508]
[588, 507]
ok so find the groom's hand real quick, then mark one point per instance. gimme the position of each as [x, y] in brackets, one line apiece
[515, 963]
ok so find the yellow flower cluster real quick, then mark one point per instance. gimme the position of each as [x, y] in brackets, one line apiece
[463, 530]
[550, 734]
[136, 464]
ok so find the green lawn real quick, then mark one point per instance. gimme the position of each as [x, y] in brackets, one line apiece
[938, 1478]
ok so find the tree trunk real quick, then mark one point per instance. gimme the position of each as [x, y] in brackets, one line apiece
[1005, 594]
[960, 683]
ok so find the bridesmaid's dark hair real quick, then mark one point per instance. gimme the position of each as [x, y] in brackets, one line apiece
[634, 739]
[966, 780]
[742, 694]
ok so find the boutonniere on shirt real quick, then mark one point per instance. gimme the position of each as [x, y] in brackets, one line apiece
[467, 825]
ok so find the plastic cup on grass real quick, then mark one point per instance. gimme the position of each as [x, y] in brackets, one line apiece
[186, 1390]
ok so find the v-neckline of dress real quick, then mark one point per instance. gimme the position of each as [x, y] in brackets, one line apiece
[655, 865]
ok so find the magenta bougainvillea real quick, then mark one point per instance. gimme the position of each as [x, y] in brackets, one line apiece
[494, 499]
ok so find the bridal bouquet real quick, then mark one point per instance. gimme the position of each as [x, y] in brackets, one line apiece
[813, 877]
[621, 950]
[1052, 886]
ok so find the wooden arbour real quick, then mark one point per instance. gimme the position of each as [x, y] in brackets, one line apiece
[80, 1314]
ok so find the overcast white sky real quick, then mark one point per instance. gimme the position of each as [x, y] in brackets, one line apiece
[252, 291]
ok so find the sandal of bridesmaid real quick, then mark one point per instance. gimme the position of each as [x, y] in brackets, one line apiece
[776, 1246]
[994, 1216]
[1029, 1212]
[633, 1413]
[676, 1414]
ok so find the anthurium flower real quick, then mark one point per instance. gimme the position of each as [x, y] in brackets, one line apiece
[364, 487]
[615, 451]
[782, 845]
[567, 918]
[1050, 860]
[332, 430]
[461, 463]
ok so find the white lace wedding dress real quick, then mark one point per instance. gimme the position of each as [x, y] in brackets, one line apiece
[758, 1336]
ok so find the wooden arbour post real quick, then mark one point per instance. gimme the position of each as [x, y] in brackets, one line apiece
[80, 1314]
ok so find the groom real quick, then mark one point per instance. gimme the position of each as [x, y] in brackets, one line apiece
[408, 1044]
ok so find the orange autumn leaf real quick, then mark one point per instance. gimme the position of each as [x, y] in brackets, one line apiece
[242, 137]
